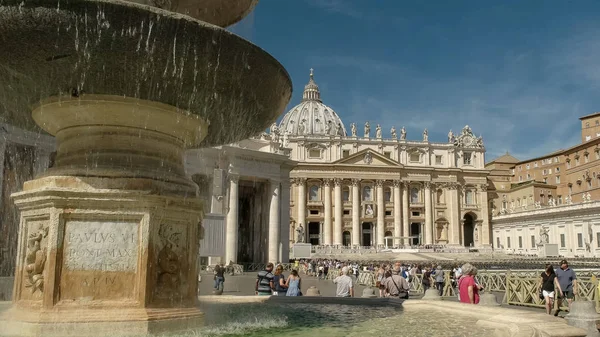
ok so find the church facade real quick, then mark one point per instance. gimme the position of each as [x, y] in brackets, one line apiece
[358, 188]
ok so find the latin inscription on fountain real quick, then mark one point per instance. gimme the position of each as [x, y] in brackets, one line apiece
[101, 246]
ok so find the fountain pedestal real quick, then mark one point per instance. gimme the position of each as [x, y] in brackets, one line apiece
[109, 237]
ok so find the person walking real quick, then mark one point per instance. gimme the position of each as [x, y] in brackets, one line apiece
[549, 282]
[467, 286]
[568, 283]
[219, 278]
[294, 284]
[345, 287]
[264, 281]
[439, 280]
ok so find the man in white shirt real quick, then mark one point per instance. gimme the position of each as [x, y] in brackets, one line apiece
[345, 288]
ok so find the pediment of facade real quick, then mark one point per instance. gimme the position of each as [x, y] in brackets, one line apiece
[368, 157]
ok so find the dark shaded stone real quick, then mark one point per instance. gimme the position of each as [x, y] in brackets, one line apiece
[117, 48]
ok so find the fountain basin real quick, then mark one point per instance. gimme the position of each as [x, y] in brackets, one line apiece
[111, 47]
[222, 13]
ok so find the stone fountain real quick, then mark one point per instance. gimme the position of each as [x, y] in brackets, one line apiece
[108, 236]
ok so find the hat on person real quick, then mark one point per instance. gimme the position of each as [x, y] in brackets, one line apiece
[563, 262]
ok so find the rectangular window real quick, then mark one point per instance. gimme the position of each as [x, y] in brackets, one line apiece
[557, 170]
[314, 212]
[314, 153]
[528, 176]
[346, 153]
[520, 242]
[527, 166]
[559, 199]
[346, 212]
[507, 242]
[388, 213]
[533, 241]
[438, 160]
[415, 157]
[568, 165]
[598, 239]
[570, 189]
[558, 179]
[579, 240]
[498, 242]
[562, 241]
[416, 213]
[387, 154]
[520, 178]
[586, 157]
[535, 164]
[576, 161]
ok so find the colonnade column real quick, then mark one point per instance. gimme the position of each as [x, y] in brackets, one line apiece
[274, 221]
[285, 222]
[355, 212]
[397, 215]
[405, 212]
[231, 238]
[380, 214]
[327, 213]
[339, 212]
[428, 211]
[485, 237]
[301, 205]
[455, 223]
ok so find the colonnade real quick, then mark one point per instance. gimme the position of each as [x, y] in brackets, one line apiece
[332, 226]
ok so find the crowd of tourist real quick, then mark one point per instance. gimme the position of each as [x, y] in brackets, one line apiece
[395, 279]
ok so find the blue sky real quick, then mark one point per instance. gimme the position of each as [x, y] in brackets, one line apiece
[520, 73]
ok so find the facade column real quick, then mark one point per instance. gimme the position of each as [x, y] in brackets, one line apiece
[428, 211]
[339, 212]
[285, 221]
[397, 215]
[380, 214]
[355, 212]
[2, 154]
[274, 223]
[327, 213]
[485, 239]
[301, 203]
[405, 213]
[454, 221]
[231, 238]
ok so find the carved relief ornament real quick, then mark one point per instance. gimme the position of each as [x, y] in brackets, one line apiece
[337, 181]
[397, 183]
[355, 181]
[379, 183]
[327, 182]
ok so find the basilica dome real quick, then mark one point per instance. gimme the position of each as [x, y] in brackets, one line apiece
[311, 116]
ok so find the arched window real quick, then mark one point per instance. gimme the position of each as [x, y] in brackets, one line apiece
[346, 193]
[367, 193]
[314, 193]
[470, 197]
[414, 195]
[387, 194]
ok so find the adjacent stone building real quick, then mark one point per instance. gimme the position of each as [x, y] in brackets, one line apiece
[548, 192]
[358, 188]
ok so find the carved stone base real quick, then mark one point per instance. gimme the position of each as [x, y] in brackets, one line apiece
[93, 259]
[100, 322]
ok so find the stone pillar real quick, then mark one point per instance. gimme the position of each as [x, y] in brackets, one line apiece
[397, 215]
[355, 212]
[380, 214]
[339, 213]
[405, 212]
[274, 230]
[285, 222]
[428, 213]
[455, 223]
[231, 236]
[2, 154]
[327, 213]
[301, 204]
[485, 234]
